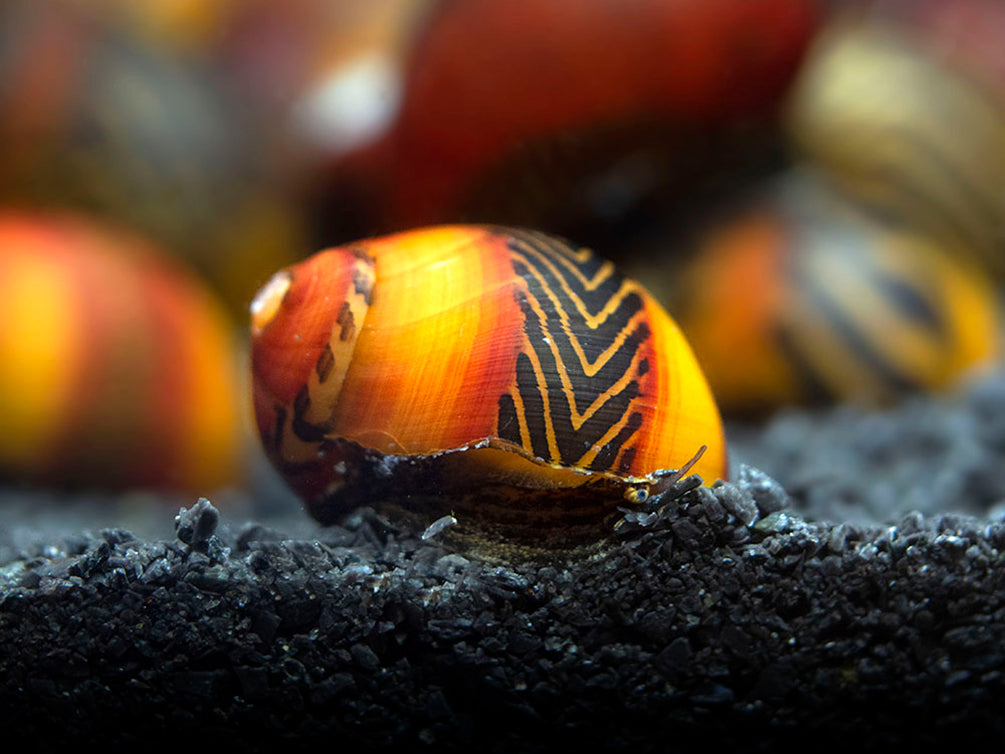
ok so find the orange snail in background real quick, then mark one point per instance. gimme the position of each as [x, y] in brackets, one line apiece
[112, 126]
[811, 297]
[506, 375]
[117, 368]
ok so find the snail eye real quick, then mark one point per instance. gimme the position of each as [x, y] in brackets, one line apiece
[636, 495]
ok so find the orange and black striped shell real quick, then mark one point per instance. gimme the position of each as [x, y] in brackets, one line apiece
[491, 369]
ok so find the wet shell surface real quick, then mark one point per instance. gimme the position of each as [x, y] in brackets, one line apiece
[821, 299]
[502, 374]
[117, 368]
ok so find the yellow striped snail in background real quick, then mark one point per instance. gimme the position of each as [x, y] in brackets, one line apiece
[117, 368]
[506, 375]
[903, 129]
[812, 297]
[967, 35]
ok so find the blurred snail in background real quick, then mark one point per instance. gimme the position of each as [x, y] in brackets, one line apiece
[503, 374]
[967, 36]
[186, 26]
[556, 113]
[902, 128]
[811, 297]
[112, 126]
[271, 53]
[117, 368]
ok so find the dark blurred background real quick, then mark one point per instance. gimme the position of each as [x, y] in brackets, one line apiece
[814, 189]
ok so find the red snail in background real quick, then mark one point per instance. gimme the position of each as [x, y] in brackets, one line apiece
[812, 297]
[117, 369]
[551, 112]
[503, 374]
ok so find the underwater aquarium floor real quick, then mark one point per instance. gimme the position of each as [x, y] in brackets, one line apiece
[848, 582]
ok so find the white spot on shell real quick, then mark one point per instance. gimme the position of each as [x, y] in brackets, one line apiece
[353, 105]
[265, 305]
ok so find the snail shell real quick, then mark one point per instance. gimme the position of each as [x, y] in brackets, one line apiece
[902, 130]
[562, 99]
[499, 372]
[117, 368]
[117, 128]
[822, 299]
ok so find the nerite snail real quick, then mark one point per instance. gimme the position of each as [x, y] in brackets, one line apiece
[117, 128]
[117, 367]
[528, 111]
[900, 127]
[823, 299]
[503, 374]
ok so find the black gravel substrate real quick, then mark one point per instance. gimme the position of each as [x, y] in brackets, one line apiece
[859, 601]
